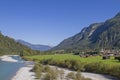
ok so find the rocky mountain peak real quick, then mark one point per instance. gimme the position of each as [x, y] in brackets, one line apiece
[95, 36]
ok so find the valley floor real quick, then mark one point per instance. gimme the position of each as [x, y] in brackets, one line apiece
[25, 74]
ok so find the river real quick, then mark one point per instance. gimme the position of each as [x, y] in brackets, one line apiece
[8, 69]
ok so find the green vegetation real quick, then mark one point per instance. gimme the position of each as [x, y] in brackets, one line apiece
[54, 73]
[76, 76]
[63, 57]
[96, 36]
[91, 64]
[51, 74]
[79, 77]
[38, 69]
[10, 46]
[70, 75]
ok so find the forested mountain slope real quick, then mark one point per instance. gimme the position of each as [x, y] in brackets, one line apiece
[10, 46]
[96, 36]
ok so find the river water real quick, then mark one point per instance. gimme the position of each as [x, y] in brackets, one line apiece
[8, 69]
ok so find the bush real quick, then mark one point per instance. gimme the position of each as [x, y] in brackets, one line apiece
[95, 67]
[70, 75]
[78, 76]
[38, 70]
[51, 75]
[46, 69]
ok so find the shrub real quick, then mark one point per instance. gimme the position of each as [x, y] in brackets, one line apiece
[70, 75]
[46, 69]
[78, 76]
[51, 75]
[92, 67]
[38, 70]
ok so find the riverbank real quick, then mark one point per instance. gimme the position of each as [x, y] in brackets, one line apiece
[93, 64]
[24, 73]
[8, 58]
[92, 76]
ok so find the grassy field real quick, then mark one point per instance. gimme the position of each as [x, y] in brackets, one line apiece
[60, 57]
[93, 64]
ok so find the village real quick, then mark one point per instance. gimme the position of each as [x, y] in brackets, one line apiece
[105, 54]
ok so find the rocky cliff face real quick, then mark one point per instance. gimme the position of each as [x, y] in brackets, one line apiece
[95, 36]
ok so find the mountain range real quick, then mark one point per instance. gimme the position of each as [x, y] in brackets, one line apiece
[35, 46]
[104, 35]
[94, 37]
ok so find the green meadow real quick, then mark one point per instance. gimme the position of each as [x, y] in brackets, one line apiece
[61, 57]
[94, 64]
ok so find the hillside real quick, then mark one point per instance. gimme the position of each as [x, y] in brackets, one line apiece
[10, 46]
[35, 46]
[96, 36]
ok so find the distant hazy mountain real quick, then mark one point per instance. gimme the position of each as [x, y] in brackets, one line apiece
[96, 36]
[34, 46]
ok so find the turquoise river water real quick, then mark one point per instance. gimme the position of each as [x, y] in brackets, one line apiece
[9, 69]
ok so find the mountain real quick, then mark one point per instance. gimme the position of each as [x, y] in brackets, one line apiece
[35, 47]
[95, 37]
[10, 46]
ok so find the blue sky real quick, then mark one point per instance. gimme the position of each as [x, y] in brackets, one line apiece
[51, 21]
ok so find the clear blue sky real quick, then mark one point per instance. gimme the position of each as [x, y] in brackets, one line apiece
[51, 21]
